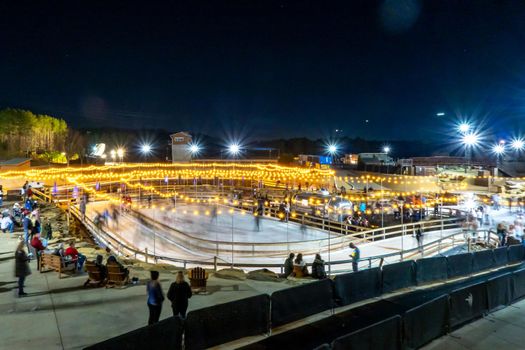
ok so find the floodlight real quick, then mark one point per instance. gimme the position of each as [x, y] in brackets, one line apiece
[498, 149]
[470, 139]
[464, 127]
[145, 149]
[518, 144]
[234, 149]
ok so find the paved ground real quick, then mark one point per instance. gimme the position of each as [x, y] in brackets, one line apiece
[61, 314]
[503, 329]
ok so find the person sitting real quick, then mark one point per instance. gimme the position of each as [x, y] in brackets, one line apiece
[288, 265]
[299, 267]
[59, 251]
[76, 257]
[113, 260]
[318, 270]
[101, 267]
[7, 224]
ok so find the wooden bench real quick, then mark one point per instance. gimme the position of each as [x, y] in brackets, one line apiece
[95, 275]
[55, 262]
[198, 278]
[116, 275]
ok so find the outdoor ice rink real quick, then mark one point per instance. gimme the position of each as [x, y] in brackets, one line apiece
[189, 233]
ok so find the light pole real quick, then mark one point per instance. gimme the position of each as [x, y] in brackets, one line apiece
[234, 149]
[194, 150]
[386, 150]
[499, 151]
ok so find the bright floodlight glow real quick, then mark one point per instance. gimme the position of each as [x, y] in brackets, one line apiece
[386, 149]
[464, 127]
[194, 149]
[518, 144]
[234, 149]
[498, 149]
[470, 139]
[332, 149]
[113, 153]
[145, 148]
[120, 152]
[440, 114]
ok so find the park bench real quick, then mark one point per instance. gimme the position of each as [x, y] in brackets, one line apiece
[95, 275]
[55, 262]
[198, 278]
[116, 275]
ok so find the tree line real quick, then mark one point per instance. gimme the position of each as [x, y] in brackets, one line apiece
[24, 133]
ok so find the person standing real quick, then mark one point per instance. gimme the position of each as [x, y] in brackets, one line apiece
[288, 265]
[355, 255]
[82, 208]
[1, 195]
[178, 294]
[155, 298]
[27, 225]
[21, 267]
[23, 191]
[318, 271]
[47, 230]
[419, 237]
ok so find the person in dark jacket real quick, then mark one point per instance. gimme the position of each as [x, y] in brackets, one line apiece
[155, 298]
[47, 230]
[101, 267]
[318, 271]
[178, 294]
[288, 265]
[21, 267]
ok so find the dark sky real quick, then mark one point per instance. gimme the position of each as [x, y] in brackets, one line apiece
[268, 69]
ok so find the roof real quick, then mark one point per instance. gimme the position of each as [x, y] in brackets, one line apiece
[181, 133]
[15, 161]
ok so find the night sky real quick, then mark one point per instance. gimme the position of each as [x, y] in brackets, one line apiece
[265, 69]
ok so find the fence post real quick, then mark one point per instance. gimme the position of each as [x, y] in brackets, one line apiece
[146, 254]
[215, 263]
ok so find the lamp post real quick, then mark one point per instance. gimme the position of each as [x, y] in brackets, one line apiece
[499, 151]
[194, 150]
[234, 149]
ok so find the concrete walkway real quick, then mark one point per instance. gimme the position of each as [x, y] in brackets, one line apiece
[503, 329]
[62, 314]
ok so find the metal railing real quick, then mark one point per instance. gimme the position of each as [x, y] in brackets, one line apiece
[276, 249]
[127, 249]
